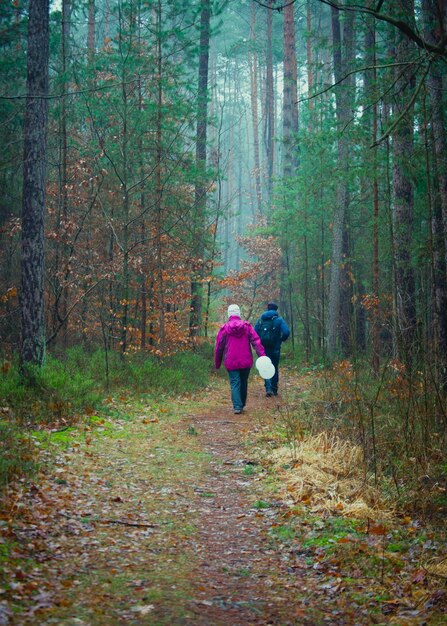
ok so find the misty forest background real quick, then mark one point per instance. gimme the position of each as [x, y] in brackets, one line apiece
[163, 158]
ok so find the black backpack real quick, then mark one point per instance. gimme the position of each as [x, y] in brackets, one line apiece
[268, 333]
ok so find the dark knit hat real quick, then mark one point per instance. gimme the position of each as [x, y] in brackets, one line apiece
[272, 306]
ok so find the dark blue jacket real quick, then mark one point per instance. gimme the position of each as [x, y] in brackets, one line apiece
[278, 322]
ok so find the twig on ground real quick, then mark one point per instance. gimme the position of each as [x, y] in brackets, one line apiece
[116, 521]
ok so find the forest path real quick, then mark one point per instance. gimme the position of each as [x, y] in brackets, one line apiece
[157, 515]
[240, 577]
[150, 518]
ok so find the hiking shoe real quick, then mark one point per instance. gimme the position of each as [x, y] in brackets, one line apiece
[237, 411]
[269, 394]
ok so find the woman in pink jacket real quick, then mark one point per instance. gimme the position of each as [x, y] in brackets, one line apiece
[233, 345]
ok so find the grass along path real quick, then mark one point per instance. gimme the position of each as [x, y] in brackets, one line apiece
[162, 514]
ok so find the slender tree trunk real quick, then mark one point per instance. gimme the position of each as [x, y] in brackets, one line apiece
[310, 75]
[200, 186]
[290, 107]
[403, 207]
[91, 28]
[306, 296]
[32, 305]
[269, 109]
[290, 147]
[435, 21]
[342, 58]
[125, 293]
[370, 81]
[254, 107]
[158, 182]
[62, 295]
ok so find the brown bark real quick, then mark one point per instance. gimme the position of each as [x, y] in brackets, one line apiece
[200, 186]
[370, 81]
[435, 17]
[310, 75]
[290, 108]
[342, 58]
[254, 107]
[403, 205]
[91, 35]
[61, 289]
[34, 176]
[269, 108]
[159, 184]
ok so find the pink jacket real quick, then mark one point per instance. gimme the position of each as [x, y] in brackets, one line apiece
[233, 344]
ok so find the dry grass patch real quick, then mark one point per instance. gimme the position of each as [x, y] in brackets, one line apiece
[327, 474]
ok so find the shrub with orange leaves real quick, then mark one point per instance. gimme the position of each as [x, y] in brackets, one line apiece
[257, 281]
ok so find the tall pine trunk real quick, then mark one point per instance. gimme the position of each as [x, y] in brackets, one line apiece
[32, 307]
[290, 151]
[269, 132]
[436, 87]
[200, 186]
[342, 59]
[254, 108]
[403, 199]
[290, 108]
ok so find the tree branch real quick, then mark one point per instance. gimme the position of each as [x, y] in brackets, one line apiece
[402, 26]
[115, 521]
[67, 94]
[360, 69]
[405, 111]
[273, 8]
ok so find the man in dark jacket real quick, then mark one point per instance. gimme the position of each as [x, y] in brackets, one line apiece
[272, 330]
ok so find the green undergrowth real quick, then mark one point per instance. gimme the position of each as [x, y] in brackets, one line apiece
[133, 461]
[18, 455]
[71, 389]
[396, 418]
[383, 566]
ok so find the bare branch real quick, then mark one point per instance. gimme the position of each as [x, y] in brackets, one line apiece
[409, 104]
[275, 8]
[402, 26]
[360, 69]
[67, 94]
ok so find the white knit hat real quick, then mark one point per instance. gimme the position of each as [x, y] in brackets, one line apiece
[233, 309]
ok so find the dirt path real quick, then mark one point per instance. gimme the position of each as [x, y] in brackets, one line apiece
[148, 519]
[235, 579]
[158, 516]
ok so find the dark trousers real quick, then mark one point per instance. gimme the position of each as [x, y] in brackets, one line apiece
[271, 385]
[239, 387]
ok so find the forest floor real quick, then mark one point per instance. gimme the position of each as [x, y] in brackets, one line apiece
[164, 513]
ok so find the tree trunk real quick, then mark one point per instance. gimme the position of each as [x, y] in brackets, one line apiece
[254, 107]
[370, 82]
[342, 58]
[403, 207]
[290, 107]
[159, 183]
[33, 202]
[61, 290]
[310, 75]
[91, 35]
[200, 186]
[269, 109]
[436, 87]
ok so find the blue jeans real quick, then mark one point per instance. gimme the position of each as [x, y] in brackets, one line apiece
[271, 385]
[239, 387]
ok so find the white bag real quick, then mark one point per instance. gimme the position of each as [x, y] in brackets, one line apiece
[265, 367]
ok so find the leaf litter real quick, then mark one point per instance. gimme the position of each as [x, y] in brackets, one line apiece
[141, 523]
